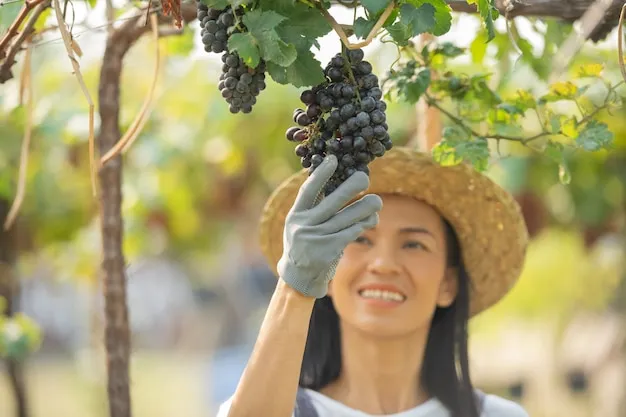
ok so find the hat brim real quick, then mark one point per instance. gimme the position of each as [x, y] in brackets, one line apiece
[487, 220]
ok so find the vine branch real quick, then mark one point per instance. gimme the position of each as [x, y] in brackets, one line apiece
[135, 128]
[71, 50]
[27, 85]
[8, 50]
[14, 28]
[339, 29]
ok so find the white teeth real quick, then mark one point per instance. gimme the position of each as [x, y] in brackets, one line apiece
[382, 295]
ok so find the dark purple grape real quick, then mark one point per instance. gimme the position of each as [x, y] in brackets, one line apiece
[302, 150]
[345, 118]
[355, 55]
[302, 119]
[359, 144]
[290, 132]
[313, 111]
[368, 104]
[363, 68]
[307, 97]
[377, 117]
[316, 159]
[300, 135]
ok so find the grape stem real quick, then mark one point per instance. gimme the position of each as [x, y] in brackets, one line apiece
[342, 35]
[348, 66]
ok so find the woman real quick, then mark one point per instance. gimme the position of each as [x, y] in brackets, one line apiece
[410, 261]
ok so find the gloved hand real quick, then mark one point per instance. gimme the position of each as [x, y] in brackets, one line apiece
[315, 235]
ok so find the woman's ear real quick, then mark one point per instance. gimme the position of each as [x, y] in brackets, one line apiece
[449, 288]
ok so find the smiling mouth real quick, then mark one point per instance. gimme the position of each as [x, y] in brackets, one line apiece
[384, 295]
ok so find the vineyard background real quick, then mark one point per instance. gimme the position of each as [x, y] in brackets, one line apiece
[194, 183]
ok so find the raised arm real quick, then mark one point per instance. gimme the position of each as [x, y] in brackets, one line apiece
[314, 238]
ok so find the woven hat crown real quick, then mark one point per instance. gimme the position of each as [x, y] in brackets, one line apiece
[486, 219]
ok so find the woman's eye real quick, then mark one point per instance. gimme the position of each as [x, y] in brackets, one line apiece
[413, 244]
[361, 239]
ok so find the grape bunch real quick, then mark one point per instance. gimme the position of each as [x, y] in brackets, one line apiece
[239, 84]
[344, 116]
[215, 27]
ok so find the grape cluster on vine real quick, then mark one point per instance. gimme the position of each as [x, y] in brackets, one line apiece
[239, 84]
[344, 116]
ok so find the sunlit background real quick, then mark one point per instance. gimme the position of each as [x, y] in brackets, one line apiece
[194, 185]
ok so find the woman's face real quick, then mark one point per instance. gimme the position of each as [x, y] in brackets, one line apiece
[390, 280]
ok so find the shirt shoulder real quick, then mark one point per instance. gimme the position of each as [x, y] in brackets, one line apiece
[495, 406]
[224, 408]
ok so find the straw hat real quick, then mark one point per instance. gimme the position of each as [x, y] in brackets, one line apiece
[488, 221]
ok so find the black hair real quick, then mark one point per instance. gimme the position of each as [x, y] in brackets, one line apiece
[445, 370]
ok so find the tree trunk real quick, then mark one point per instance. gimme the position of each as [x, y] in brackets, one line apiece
[117, 333]
[116, 328]
[9, 289]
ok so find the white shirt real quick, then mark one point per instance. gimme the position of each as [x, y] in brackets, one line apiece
[494, 406]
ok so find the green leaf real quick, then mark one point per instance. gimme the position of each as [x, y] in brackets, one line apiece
[400, 33]
[478, 47]
[262, 27]
[305, 71]
[562, 90]
[245, 46]
[524, 100]
[363, 27]
[216, 4]
[455, 148]
[449, 50]
[443, 15]
[595, 136]
[489, 13]
[415, 88]
[303, 25]
[419, 20]
[374, 6]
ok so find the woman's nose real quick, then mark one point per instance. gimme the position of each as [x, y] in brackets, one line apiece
[383, 261]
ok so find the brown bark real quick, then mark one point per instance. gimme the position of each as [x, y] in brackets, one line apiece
[117, 332]
[9, 290]
[567, 10]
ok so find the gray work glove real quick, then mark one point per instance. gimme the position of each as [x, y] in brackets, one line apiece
[316, 234]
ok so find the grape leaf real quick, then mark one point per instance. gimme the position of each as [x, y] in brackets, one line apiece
[478, 47]
[302, 26]
[489, 13]
[419, 20]
[262, 27]
[562, 90]
[305, 71]
[452, 151]
[374, 6]
[363, 27]
[245, 46]
[443, 15]
[400, 33]
[414, 89]
[595, 136]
